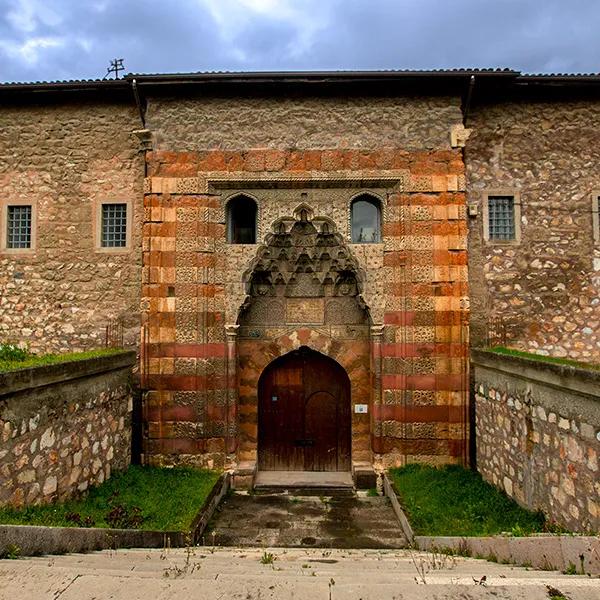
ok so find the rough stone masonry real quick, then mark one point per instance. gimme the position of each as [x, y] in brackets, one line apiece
[64, 428]
[538, 436]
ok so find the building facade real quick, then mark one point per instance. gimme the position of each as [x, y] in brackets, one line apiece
[303, 260]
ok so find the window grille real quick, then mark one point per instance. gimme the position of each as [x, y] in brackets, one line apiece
[501, 217]
[596, 218]
[114, 226]
[18, 234]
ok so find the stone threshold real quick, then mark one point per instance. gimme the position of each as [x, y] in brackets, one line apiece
[246, 476]
[303, 479]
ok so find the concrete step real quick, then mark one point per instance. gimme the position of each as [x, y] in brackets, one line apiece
[330, 491]
[384, 563]
[304, 479]
[304, 483]
[208, 574]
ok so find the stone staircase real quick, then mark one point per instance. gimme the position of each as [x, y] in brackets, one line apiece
[279, 574]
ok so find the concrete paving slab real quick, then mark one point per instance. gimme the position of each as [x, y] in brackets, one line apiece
[284, 520]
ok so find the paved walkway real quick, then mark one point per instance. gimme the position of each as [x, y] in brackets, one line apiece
[284, 520]
[300, 574]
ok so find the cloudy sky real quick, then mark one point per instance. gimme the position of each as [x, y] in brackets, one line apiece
[63, 39]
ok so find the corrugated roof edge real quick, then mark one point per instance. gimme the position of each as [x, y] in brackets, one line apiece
[67, 83]
[253, 75]
[299, 76]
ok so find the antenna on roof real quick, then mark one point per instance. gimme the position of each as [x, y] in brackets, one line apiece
[116, 65]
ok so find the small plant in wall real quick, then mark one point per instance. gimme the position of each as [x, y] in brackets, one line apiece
[331, 584]
[267, 558]
[555, 594]
[188, 566]
[12, 552]
[13, 352]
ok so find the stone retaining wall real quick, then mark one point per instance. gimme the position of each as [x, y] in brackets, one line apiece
[64, 427]
[538, 435]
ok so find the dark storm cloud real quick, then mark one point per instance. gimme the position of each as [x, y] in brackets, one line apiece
[57, 39]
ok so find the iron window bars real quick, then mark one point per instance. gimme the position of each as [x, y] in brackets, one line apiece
[114, 226]
[18, 231]
[501, 217]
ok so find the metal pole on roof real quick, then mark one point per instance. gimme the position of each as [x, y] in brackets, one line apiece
[468, 100]
[116, 65]
[138, 102]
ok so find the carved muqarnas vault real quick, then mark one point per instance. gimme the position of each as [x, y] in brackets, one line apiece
[305, 274]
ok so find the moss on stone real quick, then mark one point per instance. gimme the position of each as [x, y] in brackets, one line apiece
[540, 357]
[27, 361]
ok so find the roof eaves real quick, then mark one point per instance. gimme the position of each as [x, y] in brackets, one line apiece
[560, 77]
[312, 76]
[75, 84]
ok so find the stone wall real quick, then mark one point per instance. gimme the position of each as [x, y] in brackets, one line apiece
[546, 289]
[301, 122]
[538, 435]
[320, 153]
[64, 427]
[65, 157]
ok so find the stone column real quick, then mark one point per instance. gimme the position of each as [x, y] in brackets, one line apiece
[231, 332]
[376, 383]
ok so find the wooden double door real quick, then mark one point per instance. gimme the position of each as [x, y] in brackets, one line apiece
[304, 419]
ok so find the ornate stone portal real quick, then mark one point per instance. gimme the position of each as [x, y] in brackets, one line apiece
[304, 289]
[304, 275]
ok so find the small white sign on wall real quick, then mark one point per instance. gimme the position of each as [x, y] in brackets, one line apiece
[361, 408]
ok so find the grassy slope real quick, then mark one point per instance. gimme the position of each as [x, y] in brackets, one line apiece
[452, 500]
[169, 499]
[550, 359]
[51, 359]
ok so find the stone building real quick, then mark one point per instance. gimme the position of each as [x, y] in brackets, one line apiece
[302, 259]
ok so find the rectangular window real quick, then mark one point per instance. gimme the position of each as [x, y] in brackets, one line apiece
[501, 217]
[114, 226]
[18, 226]
[596, 217]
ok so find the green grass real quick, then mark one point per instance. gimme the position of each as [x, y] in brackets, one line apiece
[169, 500]
[452, 500]
[26, 360]
[549, 359]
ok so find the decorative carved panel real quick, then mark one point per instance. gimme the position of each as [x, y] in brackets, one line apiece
[305, 310]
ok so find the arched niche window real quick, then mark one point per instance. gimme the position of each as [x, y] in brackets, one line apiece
[365, 216]
[241, 220]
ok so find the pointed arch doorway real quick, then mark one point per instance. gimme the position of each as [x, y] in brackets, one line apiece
[304, 418]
